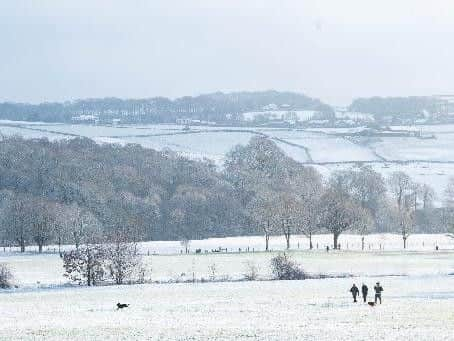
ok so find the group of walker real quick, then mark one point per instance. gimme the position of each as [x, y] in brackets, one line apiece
[364, 290]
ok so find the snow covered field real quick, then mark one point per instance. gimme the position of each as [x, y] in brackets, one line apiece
[382, 256]
[417, 301]
[412, 309]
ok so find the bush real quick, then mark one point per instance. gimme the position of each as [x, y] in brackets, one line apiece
[212, 271]
[122, 261]
[251, 271]
[6, 277]
[284, 268]
[85, 265]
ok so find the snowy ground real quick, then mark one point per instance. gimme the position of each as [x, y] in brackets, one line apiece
[383, 256]
[417, 301]
[413, 309]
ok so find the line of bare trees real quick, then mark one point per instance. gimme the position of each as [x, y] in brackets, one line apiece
[65, 192]
[284, 198]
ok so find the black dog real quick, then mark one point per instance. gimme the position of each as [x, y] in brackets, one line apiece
[122, 305]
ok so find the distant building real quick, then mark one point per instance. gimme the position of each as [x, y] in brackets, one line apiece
[445, 106]
[189, 121]
[85, 119]
[270, 106]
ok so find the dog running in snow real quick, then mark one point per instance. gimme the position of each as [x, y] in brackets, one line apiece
[122, 305]
[371, 303]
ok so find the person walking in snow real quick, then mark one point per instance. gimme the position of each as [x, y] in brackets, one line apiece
[355, 292]
[378, 290]
[364, 290]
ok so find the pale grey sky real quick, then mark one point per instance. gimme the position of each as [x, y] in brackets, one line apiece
[334, 50]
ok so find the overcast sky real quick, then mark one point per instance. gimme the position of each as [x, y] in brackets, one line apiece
[334, 50]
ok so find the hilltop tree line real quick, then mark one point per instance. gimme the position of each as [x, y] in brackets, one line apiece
[412, 106]
[217, 107]
[76, 191]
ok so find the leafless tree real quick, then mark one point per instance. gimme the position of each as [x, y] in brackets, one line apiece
[400, 186]
[363, 223]
[42, 217]
[186, 243]
[83, 226]
[307, 218]
[428, 196]
[338, 213]
[288, 205]
[263, 210]
[365, 186]
[405, 193]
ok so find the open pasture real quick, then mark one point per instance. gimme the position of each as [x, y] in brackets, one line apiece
[417, 301]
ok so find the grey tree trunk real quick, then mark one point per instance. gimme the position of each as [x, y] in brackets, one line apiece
[336, 237]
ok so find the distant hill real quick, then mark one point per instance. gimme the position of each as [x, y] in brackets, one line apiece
[380, 106]
[216, 107]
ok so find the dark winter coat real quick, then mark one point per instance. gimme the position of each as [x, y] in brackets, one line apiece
[364, 289]
[354, 290]
[378, 289]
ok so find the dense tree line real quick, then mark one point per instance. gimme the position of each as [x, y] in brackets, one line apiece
[217, 107]
[381, 106]
[64, 191]
[79, 192]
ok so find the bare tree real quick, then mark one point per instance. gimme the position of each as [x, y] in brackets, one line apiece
[400, 186]
[83, 226]
[428, 196]
[264, 212]
[365, 186]
[338, 213]
[363, 223]
[288, 205]
[42, 218]
[307, 185]
[62, 224]
[186, 243]
[405, 193]
[307, 218]
[407, 216]
[18, 229]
